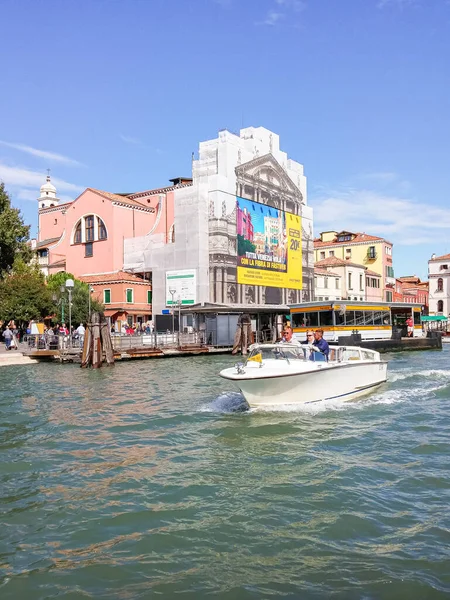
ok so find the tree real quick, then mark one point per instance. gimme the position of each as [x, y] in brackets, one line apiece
[13, 234]
[24, 294]
[80, 299]
[244, 245]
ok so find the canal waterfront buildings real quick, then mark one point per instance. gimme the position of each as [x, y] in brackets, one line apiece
[238, 235]
[372, 252]
[439, 285]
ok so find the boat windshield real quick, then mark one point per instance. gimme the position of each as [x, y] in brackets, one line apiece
[288, 352]
[295, 352]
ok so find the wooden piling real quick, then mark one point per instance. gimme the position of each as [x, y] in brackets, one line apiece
[97, 343]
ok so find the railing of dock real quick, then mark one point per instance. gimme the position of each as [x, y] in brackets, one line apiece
[157, 340]
[51, 342]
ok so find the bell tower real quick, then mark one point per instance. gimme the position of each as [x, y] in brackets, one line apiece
[48, 194]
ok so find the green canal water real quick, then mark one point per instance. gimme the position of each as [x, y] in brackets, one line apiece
[147, 480]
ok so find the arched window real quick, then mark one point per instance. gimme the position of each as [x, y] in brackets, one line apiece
[440, 306]
[440, 285]
[89, 228]
[77, 235]
[101, 230]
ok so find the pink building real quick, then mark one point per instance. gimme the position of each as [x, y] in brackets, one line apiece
[85, 237]
[244, 224]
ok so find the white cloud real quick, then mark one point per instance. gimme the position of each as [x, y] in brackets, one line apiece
[282, 10]
[25, 178]
[49, 156]
[382, 176]
[387, 215]
[272, 18]
[130, 140]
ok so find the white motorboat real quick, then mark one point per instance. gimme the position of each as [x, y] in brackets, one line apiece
[289, 373]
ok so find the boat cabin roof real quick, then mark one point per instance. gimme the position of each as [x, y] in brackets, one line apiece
[353, 305]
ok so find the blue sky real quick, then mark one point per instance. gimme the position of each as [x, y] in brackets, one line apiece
[118, 94]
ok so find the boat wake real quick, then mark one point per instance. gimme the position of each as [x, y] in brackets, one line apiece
[433, 374]
[228, 402]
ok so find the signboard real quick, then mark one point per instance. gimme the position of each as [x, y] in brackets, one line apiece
[181, 285]
[269, 246]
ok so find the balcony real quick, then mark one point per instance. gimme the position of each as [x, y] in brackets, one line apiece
[371, 254]
[390, 280]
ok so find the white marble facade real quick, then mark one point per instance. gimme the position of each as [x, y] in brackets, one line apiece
[439, 285]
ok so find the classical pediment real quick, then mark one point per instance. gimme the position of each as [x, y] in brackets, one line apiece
[266, 171]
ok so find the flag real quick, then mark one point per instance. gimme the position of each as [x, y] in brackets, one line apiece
[256, 358]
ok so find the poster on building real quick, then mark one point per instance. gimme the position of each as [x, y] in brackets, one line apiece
[269, 246]
[181, 286]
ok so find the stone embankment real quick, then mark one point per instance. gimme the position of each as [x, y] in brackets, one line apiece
[14, 357]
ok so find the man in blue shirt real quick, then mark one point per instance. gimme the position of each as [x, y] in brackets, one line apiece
[321, 349]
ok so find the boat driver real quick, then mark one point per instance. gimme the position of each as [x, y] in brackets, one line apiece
[320, 348]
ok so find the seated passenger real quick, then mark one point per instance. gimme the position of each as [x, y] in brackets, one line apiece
[287, 333]
[320, 349]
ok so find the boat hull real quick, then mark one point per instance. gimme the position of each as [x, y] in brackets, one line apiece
[345, 382]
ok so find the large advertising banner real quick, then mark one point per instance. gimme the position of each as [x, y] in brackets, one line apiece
[269, 246]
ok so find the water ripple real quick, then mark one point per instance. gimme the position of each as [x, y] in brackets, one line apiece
[150, 479]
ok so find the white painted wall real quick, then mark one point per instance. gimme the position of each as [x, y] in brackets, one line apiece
[327, 287]
[436, 270]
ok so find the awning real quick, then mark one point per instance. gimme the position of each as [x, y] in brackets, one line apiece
[434, 318]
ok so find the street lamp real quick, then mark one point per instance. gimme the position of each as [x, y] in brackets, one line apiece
[69, 286]
[179, 317]
[172, 292]
[62, 289]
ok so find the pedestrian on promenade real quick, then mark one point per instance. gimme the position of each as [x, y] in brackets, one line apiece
[81, 331]
[8, 336]
[410, 327]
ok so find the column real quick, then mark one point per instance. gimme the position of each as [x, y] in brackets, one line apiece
[217, 284]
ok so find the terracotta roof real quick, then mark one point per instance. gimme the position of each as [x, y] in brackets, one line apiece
[357, 239]
[319, 271]
[121, 199]
[47, 242]
[119, 277]
[162, 190]
[55, 207]
[333, 261]
[58, 263]
[372, 273]
[444, 257]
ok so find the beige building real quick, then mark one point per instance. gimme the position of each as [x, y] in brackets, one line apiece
[327, 284]
[352, 278]
[372, 252]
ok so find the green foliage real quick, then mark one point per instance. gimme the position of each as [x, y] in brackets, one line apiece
[80, 299]
[13, 234]
[24, 294]
[244, 245]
